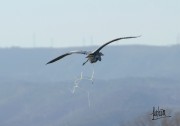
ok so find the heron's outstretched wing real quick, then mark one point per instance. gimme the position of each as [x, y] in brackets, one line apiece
[97, 50]
[66, 54]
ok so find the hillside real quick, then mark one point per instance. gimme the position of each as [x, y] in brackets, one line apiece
[118, 62]
[128, 82]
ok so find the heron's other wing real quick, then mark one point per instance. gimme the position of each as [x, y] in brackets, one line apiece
[97, 50]
[80, 52]
[66, 54]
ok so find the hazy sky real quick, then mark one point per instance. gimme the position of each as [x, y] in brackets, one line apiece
[62, 23]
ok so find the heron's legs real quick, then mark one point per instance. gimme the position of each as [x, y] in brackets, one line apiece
[85, 62]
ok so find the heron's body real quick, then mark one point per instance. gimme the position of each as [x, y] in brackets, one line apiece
[93, 56]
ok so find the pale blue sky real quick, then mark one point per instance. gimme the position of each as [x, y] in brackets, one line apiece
[64, 23]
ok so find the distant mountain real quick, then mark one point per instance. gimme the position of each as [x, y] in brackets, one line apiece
[111, 102]
[118, 62]
[128, 82]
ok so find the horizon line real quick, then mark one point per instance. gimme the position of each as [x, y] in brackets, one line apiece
[36, 47]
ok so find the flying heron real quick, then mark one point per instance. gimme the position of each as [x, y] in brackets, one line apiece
[92, 56]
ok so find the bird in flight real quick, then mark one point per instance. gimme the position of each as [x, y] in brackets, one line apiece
[92, 56]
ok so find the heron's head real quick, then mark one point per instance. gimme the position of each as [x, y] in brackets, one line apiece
[101, 54]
